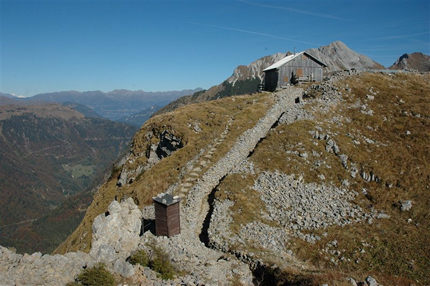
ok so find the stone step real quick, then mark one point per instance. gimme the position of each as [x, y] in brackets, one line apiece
[197, 169]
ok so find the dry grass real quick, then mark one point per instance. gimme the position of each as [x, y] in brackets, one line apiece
[237, 188]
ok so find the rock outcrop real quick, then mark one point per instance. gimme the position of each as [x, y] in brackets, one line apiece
[115, 236]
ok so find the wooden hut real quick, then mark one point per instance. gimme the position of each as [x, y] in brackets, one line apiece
[293, 69]
[167, 215]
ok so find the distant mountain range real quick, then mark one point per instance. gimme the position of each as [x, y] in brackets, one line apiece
[50, 152]
[115, 104]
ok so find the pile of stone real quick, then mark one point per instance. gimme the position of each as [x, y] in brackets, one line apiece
[298, 206]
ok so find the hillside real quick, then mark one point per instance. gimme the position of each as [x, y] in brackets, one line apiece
[48, 153]
[414, 61]
[245, 79]
[307, 186]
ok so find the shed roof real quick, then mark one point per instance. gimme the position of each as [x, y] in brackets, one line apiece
[166, 199]
[285, 60]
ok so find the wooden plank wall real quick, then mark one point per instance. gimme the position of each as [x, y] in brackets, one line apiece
[173, 220]
[303, 62]
[167, 219]
[160, 220]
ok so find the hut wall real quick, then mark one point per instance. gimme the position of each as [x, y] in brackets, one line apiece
[173, 220]
[301, 66]
[167, 221]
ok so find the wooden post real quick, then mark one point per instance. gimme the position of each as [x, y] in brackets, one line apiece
[167, 215]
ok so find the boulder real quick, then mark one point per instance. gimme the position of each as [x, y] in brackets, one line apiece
[119, 228]
[405, 206]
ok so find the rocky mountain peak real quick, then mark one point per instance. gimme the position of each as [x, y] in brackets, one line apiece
[338, 56]
[414, 61]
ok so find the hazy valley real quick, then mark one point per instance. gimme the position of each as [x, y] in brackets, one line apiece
[49, 154]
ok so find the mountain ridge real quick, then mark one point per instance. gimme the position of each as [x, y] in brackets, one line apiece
[113, 104]
[246, 78]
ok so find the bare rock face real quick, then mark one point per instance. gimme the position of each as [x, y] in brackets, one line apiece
[337, 56]
[168, 143]
[254, 69]
[414, 61]
[116, 233]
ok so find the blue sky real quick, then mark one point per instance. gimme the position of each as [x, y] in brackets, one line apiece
[173, 45]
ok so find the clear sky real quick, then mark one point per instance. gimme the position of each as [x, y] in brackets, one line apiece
[173, 45]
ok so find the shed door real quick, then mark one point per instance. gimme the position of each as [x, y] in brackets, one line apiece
[299, 72]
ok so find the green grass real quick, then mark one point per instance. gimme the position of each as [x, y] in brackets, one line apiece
[79, 170]
[94, 276]
[156, 259]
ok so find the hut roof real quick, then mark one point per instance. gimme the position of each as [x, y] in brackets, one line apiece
[285, 60]
[166, 199]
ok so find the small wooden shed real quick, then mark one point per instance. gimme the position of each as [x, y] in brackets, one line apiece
[293, 69]
[167, 215]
